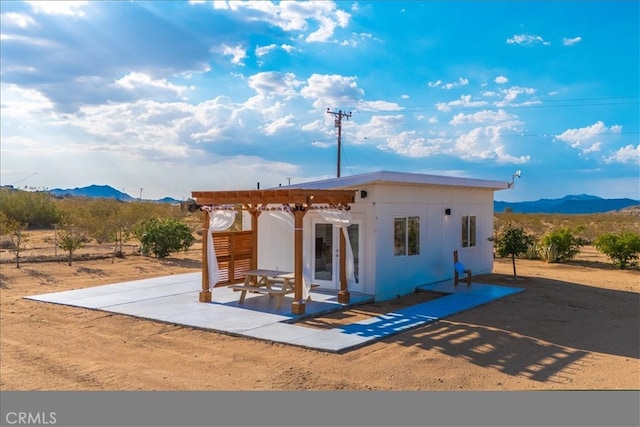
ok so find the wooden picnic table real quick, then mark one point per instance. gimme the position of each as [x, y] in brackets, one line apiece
[272, 282]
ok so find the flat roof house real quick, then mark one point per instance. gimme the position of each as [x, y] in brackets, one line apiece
[400, 231]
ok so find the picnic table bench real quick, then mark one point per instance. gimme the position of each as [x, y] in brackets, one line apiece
[270, 282]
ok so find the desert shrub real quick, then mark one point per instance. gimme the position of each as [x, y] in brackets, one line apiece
[26, 207]
[161, 237]
[559, 245]
[532, 252]
[622, 249]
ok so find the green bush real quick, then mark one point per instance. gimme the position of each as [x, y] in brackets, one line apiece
[622, 249]
[512, 241]
[559, 245]
[161, 237]
[35, 209]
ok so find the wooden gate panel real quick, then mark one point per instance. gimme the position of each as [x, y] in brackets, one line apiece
[234, 251]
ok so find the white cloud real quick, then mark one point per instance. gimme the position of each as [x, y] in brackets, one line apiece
[464, 101]
[273, 83]
[278, 124]
[135, 81]
[586, 139]
[485, 116]
[527, 39]
[332, 91]
[628, 154]
[434, 84]
[69, 8]
[264, 50]
[460, 82]
[501, 80]
[510, 95]
[572, 41]
[408, 144]
[238, 54]
[378, 106]
[28, 104]
[483, 143]
[293, 16]
[12, 19]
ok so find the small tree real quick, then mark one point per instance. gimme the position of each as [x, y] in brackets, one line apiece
[15, 230]
[161, 237]
[512, 242]
[70, 240]
[559, 246]
[622, 249]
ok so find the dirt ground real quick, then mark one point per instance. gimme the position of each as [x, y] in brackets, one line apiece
[576, 326]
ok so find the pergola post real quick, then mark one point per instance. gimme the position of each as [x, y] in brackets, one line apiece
[298, 306]
[205, 293]
[343, 294]
[255, 213]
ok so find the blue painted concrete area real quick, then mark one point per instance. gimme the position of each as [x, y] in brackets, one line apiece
[174, 299]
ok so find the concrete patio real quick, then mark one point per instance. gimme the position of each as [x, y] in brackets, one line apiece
[174, 299]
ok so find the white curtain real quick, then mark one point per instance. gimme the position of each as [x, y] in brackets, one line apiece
[219, 220]
[342, 219]
[287, 218]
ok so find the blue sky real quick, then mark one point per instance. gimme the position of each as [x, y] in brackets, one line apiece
[170, 97]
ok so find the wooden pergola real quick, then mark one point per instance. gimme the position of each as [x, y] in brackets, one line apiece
[298, 201]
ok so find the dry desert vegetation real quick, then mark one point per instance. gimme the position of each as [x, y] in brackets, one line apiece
[575, 327]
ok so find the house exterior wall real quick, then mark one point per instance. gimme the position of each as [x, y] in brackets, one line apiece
[382, 273]
[388, 275]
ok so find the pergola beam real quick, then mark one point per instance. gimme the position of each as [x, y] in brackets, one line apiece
[270, 197]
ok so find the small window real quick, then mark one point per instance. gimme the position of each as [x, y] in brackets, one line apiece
[406, 236]
[468, 231]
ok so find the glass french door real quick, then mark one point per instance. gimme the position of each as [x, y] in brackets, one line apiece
[325, 250]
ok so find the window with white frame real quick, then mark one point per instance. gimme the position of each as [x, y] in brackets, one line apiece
[406, 236]
[468, 231]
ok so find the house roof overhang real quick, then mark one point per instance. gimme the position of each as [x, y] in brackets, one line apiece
[299, 197]
[402, 178]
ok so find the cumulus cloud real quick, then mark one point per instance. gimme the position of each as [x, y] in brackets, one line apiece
[274, 83]
[378, 106]
[587, 139]
[628, 154]
[434, 84]
[332, 90]
[409, 144]
[510, 95]
[281, 123]
[237, 53]
[485, 116]
[464, 101]
[572, 41]
[69, 8]
[141, 82]
[13, 19]
[501, 80]
[265, 50]
[486, 143]
[316, 19]
[460, 82]
[527, 40]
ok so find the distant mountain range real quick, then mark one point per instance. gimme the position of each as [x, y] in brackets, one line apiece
[104, 192]
[572, 204]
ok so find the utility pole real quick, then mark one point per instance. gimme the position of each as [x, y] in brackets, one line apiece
[338, 123]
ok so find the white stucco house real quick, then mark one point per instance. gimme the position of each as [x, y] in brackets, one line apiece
[403, 231]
